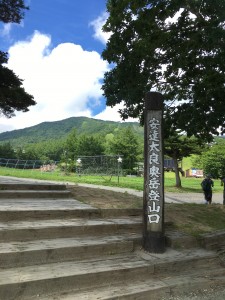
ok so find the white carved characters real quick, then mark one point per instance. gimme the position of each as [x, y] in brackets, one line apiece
[154, 207]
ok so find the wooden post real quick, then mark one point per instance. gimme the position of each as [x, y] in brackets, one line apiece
[153, 196]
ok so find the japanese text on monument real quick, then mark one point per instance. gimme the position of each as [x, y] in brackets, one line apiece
[154, 196]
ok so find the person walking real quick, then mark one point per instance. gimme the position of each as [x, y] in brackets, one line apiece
[223, 184]
[207, 185]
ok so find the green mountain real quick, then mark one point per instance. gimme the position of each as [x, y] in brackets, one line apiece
[60, 129]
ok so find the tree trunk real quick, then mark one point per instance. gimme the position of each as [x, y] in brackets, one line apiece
[177, 174]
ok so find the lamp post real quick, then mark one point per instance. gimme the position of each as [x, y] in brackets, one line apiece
[66, 160]
[119, 161]
[79, 165]
[19, 152]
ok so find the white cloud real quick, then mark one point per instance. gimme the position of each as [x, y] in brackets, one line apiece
[6, 30]
[111, 113]
[97, 25]
[172, 20]
[65, 81]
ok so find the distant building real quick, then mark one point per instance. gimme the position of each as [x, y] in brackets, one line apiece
[197, 173]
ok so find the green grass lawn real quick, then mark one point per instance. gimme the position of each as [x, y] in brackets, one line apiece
[188, 184]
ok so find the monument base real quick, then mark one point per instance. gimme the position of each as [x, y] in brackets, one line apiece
[154, 242]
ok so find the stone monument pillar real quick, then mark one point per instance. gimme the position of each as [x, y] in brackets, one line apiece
[153, 196]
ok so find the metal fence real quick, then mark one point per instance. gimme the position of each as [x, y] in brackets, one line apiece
[100, 164]
[25, 164]
[86, 165]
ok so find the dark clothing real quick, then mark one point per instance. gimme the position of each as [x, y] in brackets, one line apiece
[208, 196]
[207, 185]
[223, 183]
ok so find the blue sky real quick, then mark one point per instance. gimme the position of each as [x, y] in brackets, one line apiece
[56, 50]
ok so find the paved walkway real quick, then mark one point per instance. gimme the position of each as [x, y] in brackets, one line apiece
[169, 197]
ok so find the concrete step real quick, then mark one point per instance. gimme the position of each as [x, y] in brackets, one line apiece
[20, 254]
[49, 214]
[32, 186]
[61, 277]
[34, 194]
[148, 289]
[214, 240]
[33, 209]
[177, 239]
[57, 228]
[58, 248]
[93, 274]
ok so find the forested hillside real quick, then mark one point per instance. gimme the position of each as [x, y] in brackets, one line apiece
[60, 129]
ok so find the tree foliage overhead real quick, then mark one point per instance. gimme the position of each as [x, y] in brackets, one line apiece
[12, 11]
[174, 47]
[13, 97]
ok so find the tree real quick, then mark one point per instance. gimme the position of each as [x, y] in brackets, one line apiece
[71, 145]
[13, 97]
[177, 147]
[174, 47]
[89, 146]
[213, 160]
[108, 142]
[125, 143]
[6, 150]
[46, 150]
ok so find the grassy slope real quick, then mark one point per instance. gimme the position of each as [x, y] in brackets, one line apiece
[193, 219]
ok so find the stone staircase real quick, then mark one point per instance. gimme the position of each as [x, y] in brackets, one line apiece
[54, 247]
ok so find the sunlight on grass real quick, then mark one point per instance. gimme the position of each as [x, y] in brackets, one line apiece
[189, 185]
[196, 219]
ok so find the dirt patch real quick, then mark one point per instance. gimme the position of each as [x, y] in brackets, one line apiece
[192, 219]
[100, 198]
